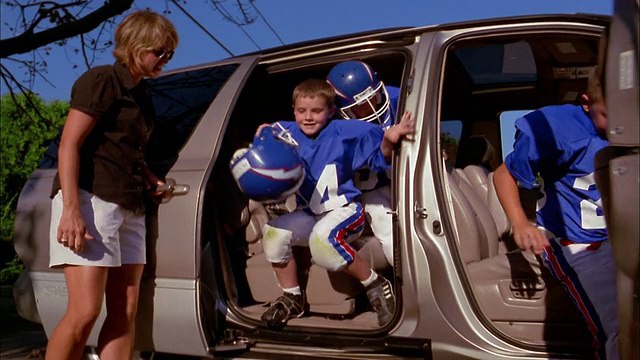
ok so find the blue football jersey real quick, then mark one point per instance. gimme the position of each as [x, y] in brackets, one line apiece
[390, 115]
[368, 180]
[560, 143]
[331, 160]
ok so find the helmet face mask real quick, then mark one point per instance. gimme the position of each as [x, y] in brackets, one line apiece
[284, 134]
[271, 168]
[357, 86]
[376, 101]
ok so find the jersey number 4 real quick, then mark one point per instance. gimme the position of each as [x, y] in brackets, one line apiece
[327, 190]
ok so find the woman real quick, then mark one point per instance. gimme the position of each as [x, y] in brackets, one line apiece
[97, 220]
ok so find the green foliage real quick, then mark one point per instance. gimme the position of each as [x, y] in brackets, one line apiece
[11, 271]
[449, 145]
[28, 125]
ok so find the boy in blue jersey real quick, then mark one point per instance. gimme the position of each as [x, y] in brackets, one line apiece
[361, 95]
[560, 143]
[329, 215]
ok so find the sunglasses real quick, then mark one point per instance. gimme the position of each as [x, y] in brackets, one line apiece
[161, 54]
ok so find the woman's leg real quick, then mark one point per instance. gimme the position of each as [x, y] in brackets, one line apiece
[86, 287]
[118, 331]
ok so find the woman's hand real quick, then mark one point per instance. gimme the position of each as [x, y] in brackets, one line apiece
[72, 230]
[154, 185]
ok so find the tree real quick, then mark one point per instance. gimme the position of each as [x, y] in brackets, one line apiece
[40, 24]
[25, 136]
[28, 124]
[450, 145]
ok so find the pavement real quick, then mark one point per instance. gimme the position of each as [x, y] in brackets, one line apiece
[19, 338]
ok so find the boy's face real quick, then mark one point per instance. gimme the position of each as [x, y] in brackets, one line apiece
[312, 114]
[366, 108]
[598, 113]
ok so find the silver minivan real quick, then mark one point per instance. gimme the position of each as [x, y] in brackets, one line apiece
[464, 289]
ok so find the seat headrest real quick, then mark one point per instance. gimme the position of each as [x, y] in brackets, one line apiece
[476, 150]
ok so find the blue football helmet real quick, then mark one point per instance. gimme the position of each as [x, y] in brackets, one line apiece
[271, 168]
[357, 85]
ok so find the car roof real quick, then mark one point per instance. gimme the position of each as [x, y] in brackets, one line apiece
[401, 35]
[411, 31]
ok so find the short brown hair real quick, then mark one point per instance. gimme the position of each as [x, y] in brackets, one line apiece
[142, 31]
[313, 88]
[594, 90]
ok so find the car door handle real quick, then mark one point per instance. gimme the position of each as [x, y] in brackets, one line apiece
[170, 189]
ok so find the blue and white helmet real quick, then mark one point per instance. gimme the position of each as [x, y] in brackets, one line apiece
[356, 84]
[271, 168]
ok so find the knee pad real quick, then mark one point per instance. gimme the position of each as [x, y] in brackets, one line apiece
[276, 244]
[331, 254]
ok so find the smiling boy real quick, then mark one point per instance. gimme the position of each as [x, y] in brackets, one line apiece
[329, 215]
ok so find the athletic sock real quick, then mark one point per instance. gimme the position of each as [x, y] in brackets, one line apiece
[294, 290]
[371, 279]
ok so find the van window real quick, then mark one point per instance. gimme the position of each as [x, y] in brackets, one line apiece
[450, 132]
[180, 101]
[508, 129]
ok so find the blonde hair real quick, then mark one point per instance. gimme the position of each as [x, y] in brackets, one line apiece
[315, 87]
[140, 32]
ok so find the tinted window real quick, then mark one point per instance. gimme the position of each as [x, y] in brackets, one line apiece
[499, 63]
[180, 101]
[450, 132]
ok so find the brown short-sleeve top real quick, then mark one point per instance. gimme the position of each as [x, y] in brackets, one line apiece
[112, 156]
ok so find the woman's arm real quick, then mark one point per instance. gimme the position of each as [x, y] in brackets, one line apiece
[72, 227]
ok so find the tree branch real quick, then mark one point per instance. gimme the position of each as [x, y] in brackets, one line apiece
[27, 42]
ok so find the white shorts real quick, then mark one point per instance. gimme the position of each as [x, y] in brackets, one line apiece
[118, 234]
[377, 207]
[328, 236]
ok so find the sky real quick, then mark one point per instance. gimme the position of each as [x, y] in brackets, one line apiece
[292, 21]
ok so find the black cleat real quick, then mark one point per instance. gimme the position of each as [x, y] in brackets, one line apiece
[382, 299]
[285, 307]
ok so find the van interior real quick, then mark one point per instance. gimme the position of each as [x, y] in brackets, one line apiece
[482, 81]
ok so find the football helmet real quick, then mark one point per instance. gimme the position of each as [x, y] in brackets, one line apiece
[357, 85]
[271, 168]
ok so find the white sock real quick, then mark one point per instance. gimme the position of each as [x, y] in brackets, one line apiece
[294, 290]
[371, 279]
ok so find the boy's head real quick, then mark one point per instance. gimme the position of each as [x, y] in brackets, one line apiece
[593, 104]
[313, 105]
[360, 94]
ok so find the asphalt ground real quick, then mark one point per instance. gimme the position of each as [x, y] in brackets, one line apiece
[19, 338]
